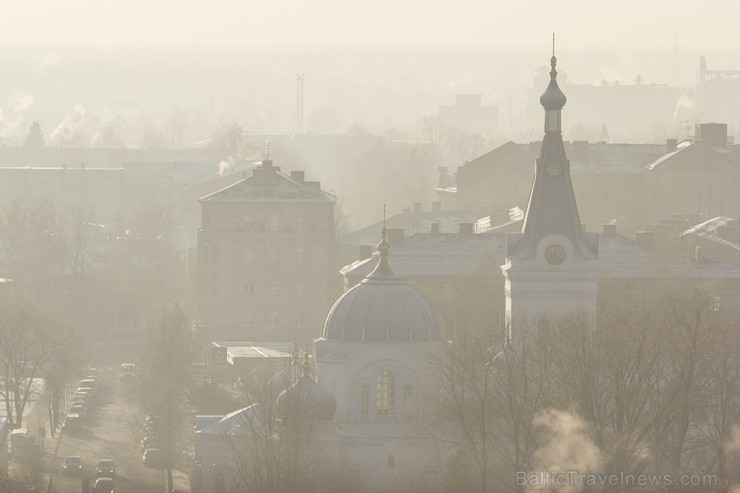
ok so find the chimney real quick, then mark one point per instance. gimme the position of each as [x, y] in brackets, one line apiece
[466, 230]
[436, 206]
[609, 230]
[645, 239]
[395, 235]
[298, 176]
[366, 251]
[670, 145]
[712, 134]
[435, 229]
[417, 207]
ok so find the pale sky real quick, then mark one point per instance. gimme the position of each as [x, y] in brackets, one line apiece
[578, 23]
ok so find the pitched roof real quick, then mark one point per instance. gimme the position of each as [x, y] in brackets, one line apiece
[268, 184]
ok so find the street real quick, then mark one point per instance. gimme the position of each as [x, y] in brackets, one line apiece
[109, 431]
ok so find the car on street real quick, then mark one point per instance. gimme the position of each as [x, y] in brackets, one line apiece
[72, 465]
[78, 409]
[104, 485]
[153, 458]
[72, 423]
[127, 372]
[106, 468]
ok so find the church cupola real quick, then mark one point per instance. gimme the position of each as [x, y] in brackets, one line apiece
[553, 100]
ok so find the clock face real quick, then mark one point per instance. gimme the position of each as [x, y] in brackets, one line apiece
[555, 254]
[553, 169]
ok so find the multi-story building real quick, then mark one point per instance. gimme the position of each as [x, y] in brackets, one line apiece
[266, 257]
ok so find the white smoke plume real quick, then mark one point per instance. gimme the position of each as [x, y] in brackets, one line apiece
[567, 446]
[12, 116]
[75, 129]
[683, 106]
[225, 166]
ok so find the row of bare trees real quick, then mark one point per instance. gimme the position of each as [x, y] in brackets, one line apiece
[652, 390]
[95, 280]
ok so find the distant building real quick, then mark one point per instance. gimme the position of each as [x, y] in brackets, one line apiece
[469, 114]
[630, 185]
[94, 190]
[266, 258]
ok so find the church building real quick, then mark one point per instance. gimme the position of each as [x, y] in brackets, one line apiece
[552, 265]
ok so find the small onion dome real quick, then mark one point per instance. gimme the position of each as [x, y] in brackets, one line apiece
[382, 308]
[307, 399]
[553, 98]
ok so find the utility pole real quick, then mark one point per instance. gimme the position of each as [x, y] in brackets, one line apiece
[299, 103]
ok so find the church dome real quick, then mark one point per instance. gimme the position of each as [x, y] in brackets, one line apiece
[382, 308]
[553, 98]
[307, 399]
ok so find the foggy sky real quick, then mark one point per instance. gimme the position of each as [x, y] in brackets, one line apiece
[525, 23]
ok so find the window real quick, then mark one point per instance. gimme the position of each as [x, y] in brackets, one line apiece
[300, 224]
[248, 287]
[248, 319]
[248, 256]
[365, 401]
[407, 406]
[275, 223]
[273, 319]
[386, 394]
[299, 254]
[299, 320]
[206, 223]
[391, 461]
[714, 303]
[274, 288]
[298, 289]
[273, 255]
[215, 253]
[248, 222]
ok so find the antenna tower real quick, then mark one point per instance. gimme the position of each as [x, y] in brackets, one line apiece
[299, 103]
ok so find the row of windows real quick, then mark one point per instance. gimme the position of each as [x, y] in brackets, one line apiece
[273, 318]
[385, 397]
[273, 288]
[211, 254]
[248, 222]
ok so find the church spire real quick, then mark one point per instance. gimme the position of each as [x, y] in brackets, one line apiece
[553, 99]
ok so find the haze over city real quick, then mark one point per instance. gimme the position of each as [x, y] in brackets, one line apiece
[417, 246]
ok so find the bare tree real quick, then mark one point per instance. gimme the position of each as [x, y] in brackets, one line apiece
[28, 344]
[165, 382]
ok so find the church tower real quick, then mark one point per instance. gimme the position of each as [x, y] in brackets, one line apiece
[552, 265]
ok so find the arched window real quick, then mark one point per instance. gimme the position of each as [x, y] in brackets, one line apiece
[386, 394]
[365, 401]
[407, 405]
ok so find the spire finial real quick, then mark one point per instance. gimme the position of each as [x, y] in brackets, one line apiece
[266, 153]
[383, 216]
[553, 44]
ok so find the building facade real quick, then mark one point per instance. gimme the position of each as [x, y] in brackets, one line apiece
[266, 258]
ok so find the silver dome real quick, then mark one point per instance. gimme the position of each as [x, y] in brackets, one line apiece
[382, 308]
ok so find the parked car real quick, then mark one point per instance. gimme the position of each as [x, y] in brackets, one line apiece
[127, 372]
[89, 382]
[149, 441]
[153, 458]
[72, 465]
[72, 423]
[104, 485]
[78, 409]
[106, 468]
